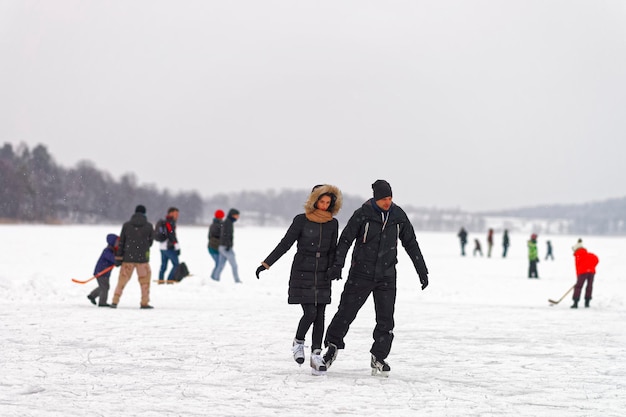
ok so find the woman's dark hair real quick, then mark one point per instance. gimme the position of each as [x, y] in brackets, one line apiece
[333, 200]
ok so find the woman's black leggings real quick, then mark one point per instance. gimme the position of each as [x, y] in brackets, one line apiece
[312, 314]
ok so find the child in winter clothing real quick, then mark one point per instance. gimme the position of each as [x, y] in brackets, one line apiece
[316, 232]
[585, 272]
[107, 258]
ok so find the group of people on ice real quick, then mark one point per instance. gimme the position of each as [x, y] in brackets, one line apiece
[585, 261]
[131, 251]
[375, 229]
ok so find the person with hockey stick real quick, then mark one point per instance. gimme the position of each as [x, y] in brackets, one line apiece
[586, 263]
[316, 232]
[376, 228]
[133, 254]
[106, 259]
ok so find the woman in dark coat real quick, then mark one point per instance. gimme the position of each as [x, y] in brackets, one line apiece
[316, 232]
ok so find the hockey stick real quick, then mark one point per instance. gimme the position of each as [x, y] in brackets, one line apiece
[99, 274]
[564, 295]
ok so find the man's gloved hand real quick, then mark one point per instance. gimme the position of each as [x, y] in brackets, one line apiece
[424, 280]
[118, 261]
[333, 273]
[259, 270]
[228, 248]
[177, 251]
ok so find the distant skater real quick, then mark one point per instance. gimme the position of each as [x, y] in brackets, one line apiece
[463, 239]
[586, 263]
[549, 254]
[489, 242]
[505, 243]
[477, 248]
[533, 257]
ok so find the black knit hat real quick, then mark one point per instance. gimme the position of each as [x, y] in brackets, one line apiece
[140, 209]
[381, 189]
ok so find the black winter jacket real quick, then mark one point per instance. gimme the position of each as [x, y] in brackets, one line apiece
[375, 253]
[135, 239]
[214, 234]
[227, 233]
[316, 250]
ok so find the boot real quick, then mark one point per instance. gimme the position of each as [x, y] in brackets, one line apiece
[298, 351]
[379, 366]
[575, 305]
[318, 367]
[587, 302]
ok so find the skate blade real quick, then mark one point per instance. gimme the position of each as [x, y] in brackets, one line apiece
[382, 374]
[315, 372]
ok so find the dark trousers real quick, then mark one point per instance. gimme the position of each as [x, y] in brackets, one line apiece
[312, 315]
[532, 269]
[355, 293]
[580, 281]
[102, 292]
[171, 255]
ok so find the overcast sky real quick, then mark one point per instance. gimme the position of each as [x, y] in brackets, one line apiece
[477, 105]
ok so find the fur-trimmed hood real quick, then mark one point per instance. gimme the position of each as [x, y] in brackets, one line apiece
[309, 206]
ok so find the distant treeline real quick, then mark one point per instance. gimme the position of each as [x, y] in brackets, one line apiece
[34, 188]
[598, 218]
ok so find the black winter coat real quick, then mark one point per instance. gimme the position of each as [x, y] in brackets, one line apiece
[375, 253]
[316, 251]
[135, 239]
[227, 232]
[214, 234]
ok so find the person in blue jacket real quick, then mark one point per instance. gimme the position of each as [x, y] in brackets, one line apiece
[107, 258]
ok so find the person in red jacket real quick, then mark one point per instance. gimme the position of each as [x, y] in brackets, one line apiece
[585, 271]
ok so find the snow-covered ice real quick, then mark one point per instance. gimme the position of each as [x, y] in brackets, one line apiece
[481, 340]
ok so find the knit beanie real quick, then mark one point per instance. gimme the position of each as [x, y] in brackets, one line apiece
[140, 209]
[381, 189]
[232, 212]
[219, 214]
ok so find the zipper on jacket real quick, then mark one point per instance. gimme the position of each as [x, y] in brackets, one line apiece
[367, 226]
[317, 263]
[385, 217]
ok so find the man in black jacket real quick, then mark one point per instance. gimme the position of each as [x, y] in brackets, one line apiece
[134, 253]
[377, 226]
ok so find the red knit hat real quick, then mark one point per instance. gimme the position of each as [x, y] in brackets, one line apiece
[219, 214]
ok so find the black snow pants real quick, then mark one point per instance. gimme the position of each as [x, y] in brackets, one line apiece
[355, 293]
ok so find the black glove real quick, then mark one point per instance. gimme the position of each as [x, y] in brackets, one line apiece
[228, 248]
[424, 281]
[259, 270]
[118, 261]
[177, 251]
[333, 273]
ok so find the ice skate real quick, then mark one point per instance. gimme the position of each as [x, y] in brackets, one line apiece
[318, 367]
[298, 351]
[380, 367]
[330, 355]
